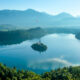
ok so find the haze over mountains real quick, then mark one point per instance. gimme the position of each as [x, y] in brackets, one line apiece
[32, 18]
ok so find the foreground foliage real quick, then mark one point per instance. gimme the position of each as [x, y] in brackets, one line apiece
[71, 73]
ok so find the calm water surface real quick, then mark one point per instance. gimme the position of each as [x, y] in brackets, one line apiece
[63, 50]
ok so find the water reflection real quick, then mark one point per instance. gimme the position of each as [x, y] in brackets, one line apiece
[63, 50]
[50, 64]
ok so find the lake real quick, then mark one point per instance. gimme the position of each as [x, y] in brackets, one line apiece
[63, 50]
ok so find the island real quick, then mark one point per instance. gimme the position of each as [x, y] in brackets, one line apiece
[39, 47]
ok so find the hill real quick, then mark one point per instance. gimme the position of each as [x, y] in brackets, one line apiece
[18, 36]
[66, 73]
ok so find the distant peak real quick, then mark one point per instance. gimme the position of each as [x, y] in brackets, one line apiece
[31, 10]
[65, 14]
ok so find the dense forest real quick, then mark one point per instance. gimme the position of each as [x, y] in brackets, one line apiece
[78, 36]
[18, 36]
[66, 73]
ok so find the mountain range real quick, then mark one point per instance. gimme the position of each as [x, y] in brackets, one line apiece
[32, 18]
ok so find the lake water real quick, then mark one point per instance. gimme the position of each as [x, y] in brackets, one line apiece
[63, 50]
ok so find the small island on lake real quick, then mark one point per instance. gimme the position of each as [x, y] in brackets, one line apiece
[39, 47]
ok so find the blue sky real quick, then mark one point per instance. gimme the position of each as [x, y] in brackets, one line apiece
[49, 6]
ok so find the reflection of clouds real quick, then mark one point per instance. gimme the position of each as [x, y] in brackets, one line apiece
[71, 36]
[54, 35]
[61, 35]
[51, 36]
[61, 57]
[15, 46]
[66, 36]
[50, 64]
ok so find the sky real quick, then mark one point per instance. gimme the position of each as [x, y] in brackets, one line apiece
[48, 6]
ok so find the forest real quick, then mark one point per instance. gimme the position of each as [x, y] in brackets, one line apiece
[66, 73]
[18, 36]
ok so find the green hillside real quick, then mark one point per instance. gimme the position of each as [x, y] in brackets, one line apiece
[18, 36]
[71, 73]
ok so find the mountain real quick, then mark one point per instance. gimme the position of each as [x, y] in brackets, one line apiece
[32, 18]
